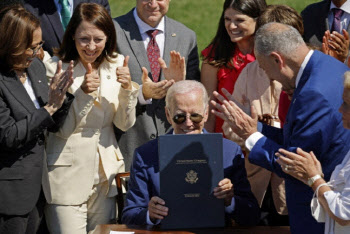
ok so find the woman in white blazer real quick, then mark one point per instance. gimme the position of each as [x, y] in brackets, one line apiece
[83, 156]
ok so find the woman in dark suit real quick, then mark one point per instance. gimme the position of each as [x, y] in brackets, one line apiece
[28, 107]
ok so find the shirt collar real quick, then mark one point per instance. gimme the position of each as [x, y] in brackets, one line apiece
[345, 7]
[143, 27]
[302, 67]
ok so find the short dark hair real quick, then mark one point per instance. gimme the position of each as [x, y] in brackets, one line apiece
[98, 16]
[17, 27]
[281, 14]
[222, 48]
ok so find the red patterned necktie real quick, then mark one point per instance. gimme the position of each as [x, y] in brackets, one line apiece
[336, 21]
[153, 54]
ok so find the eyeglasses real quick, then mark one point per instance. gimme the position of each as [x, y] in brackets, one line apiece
[181, 118]
[37, 48]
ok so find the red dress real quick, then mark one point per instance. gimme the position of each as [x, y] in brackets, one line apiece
[283, 107]
[227, 76]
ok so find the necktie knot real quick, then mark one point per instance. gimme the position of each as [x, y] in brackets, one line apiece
[336, 26]
[152, 33]
[337, 13]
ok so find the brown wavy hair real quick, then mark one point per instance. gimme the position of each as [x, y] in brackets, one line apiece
[98, 16]
[222, 48]
[17, 27]
[281, 14]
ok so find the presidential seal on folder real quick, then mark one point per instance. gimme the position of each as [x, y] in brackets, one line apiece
[190, 167]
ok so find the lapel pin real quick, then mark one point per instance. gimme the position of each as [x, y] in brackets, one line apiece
[108, 77]
[173, 35]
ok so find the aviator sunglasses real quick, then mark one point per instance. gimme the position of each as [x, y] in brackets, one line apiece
[181, 118]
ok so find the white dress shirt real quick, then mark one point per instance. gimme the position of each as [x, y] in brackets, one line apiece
[255, 137]
[28, 86]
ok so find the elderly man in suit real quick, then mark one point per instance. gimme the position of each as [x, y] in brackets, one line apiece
[138, 32]
[314, 81]
[187, 100]
[54, 16]
[327, 22]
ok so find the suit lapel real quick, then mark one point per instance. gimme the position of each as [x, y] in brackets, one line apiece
[168, 40]
[303, 79]
[133, 36]
[18, 91]
[54, 18]
[323, 24]
[39, 83]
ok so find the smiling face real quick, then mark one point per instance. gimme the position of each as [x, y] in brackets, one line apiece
[345, 108]
[188, 103]
[28, 55]
[90, 42]
[239, 26]
[152, 11]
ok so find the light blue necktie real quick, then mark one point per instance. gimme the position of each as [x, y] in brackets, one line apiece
[65, 13]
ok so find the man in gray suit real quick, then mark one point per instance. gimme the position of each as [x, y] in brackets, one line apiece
[319, 19]
[133, 37]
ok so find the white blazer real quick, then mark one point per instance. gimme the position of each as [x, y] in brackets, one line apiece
[88, 130]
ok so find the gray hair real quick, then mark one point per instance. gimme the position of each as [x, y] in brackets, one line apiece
[277, 37]
[183, 87]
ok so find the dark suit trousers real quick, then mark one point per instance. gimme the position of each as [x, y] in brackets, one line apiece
[23, 224]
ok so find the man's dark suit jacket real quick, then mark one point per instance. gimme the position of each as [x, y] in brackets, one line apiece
[22, 139]
[313, 123]
[46, 12]
[315, 19]
[144, 184]
[151, 121]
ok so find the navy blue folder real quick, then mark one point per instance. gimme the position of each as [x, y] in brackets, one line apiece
[191, 166]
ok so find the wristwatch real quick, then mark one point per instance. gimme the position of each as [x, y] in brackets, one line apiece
[311, 181]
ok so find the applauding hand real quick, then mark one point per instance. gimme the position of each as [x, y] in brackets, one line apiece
[59, 86]
[91, 80]
[155, 90]
[177, 67]
[336, 44]
[123, 75]
[241, 123]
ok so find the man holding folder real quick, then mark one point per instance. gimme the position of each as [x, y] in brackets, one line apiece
[187, 111]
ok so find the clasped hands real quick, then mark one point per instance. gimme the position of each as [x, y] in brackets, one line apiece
[157, 209]
[175, 72]
[301, 165]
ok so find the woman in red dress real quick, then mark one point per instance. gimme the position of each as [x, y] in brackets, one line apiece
[230, 50]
